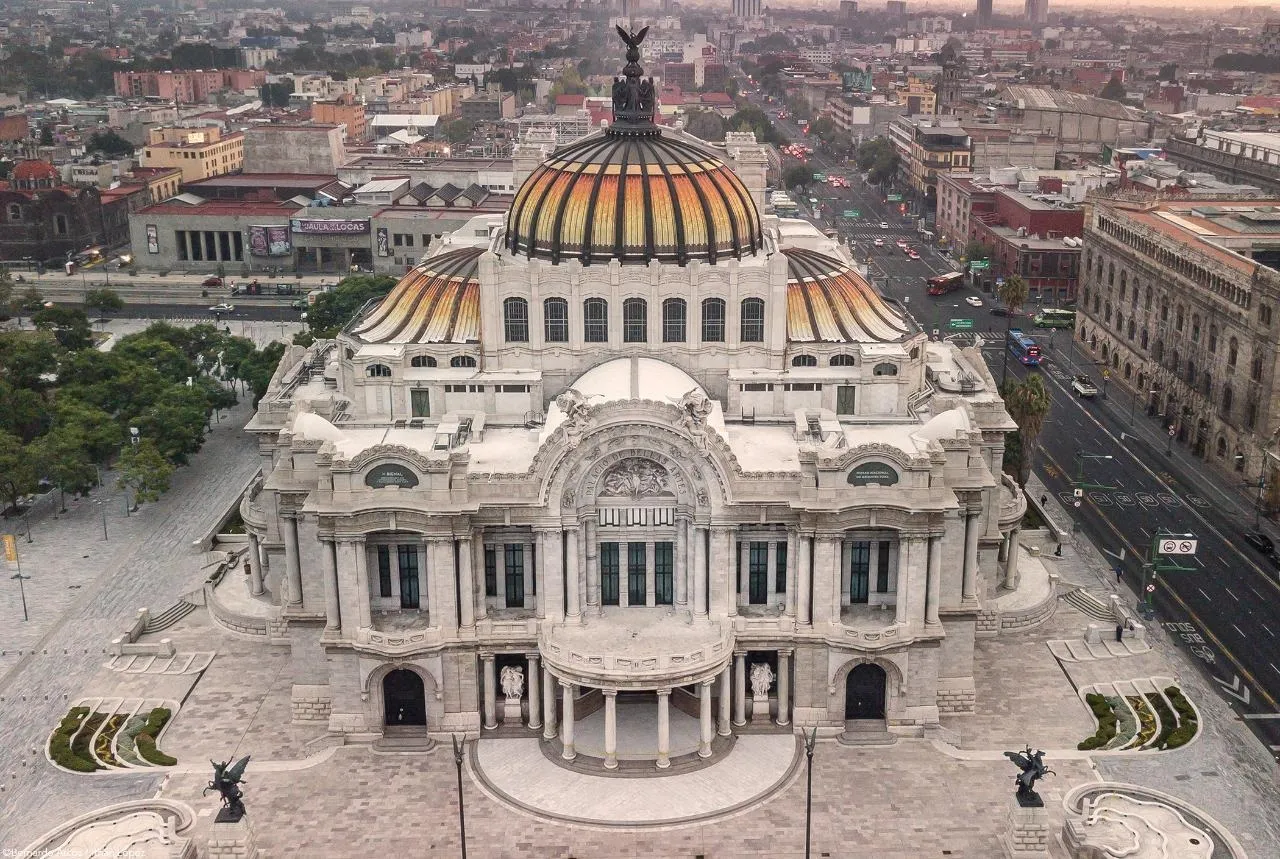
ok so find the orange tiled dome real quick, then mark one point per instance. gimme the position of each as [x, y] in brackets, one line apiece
[28, 171]
[829, 302]
[635, 198]
[436, 302]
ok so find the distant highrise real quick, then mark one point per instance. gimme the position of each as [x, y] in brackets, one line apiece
[848, 9]
[1037, 11]
[984, 12]
[896, 8]
[746, 9]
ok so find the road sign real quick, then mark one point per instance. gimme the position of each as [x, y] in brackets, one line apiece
[999, 281]
[894, 198]
[1177, 546]
[852, 213]
[1079, 493]
[979, 265]
[10, 548]
[960, 324]
[1172, 432]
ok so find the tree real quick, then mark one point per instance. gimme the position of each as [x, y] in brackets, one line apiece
[95, 430]
[975, 249]
[259, 369]
[6, 292]
[30, 301]
[705, 125]
[754, 119]
[62, 460]
[1114, 90]
[1028, 403]
[335, 308]
[459, 131]
[798, 176]
[276, 94]
[69, 325]
[108, 143]
[103, 300]
[17, 469]
[1013, 292]
[144, 471]
[26, 362]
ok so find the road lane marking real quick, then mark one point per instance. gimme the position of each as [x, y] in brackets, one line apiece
[1269, 632]
[1196, 558]
[1228, 590]
[1259, 716]
[1207, 598]
[1242, 635]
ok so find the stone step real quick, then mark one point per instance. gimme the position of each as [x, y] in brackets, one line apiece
[866, 732]
[1089, 605]
[404, 741]
[169, 617]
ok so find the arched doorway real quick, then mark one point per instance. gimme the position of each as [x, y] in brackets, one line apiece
[404, 698]
[864, 692]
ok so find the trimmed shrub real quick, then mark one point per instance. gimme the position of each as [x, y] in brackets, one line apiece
[1168, 722]
[60, 749]
[1106, 717]
[145, 741]
[1188, 725]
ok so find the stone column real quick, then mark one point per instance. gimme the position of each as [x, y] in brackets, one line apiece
[535, 696]
[739, 687]
[1011, 562]
[255, 565]
[826, 579]
[680, 562]
[566, 729]
[477, 565]
[292, 567]
[726, 698]
[364, 614]
[548, 704]
[700, 571]
[572, 576]
[429, 585]
[551, 590]
[704, 720]
[445, 614]
[332, 610]
[741, 592]
[490, 694]
[610, 728]
[466, 584]
[968, 590]
[934, 588]
[784, 687]
[723, 572]
[591, 554]
[537, 565]
[664, 729]
[789, 607]
[804, 578]
[902, 595]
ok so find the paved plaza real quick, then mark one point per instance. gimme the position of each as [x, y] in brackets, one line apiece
[939, 796]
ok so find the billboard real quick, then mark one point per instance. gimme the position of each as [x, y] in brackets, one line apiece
[332, 227]
[153, 239]
[270, 241]
[384, 245]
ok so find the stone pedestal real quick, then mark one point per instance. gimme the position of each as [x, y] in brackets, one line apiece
[231, 837]
[1028, 833]
[760, 708]
[511, 714]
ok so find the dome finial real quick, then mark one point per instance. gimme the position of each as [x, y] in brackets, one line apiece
[633, 97]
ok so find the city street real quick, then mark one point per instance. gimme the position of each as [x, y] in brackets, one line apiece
[1224, 607]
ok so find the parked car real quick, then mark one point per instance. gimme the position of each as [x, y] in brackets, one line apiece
[1083, 386]
[973, 301]
[1261, 542]
[213, 280]
[912, 253]
[222, 308]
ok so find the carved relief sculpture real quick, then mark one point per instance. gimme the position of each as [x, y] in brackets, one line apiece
[636, 478]
[577, 414]
[696, 407]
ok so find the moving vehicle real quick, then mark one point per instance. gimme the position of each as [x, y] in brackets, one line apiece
[911, 252]
[973, 301]
[1004, 311]
[878, 243]
[906, 250]
[222, 308]
[212, 280]
[1083, 386]
[1261, 542]
[944, 283]
[884, 225]
[1055, 318]
[1023, 348]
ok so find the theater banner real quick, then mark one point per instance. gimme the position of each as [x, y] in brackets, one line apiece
[331, 227]
[270, 241]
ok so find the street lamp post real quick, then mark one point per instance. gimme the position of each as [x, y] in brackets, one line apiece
[103, 507]
[1173, 430]
[809, 742]
[462, 814]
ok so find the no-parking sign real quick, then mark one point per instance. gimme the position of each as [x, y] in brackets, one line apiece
[1177, 546]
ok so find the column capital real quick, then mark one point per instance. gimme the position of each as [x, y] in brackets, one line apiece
[739, 654]
[533, 656]
[786, 651]
[706, 684]
[609, 693]
[564, 684]
[438, 538]
[663, 693]
[487, 656]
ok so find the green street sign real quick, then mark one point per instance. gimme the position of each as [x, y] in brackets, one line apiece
[960, 324]
[980, 265]
[852, 213]
[894, 198]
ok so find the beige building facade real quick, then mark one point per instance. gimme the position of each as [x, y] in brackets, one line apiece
[199, 153]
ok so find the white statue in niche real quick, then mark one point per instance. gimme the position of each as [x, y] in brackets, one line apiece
[696, 407]
[761, 679]
[576, 414]
[512, 679]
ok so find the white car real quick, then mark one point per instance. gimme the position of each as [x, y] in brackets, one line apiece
[884, 225]
[879, 243]
[222, 308]
[973, 301]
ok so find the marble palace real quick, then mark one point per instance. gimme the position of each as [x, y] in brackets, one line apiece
[633, 466]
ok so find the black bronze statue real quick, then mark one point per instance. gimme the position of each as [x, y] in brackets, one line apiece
[227, 778]
[1033, 768]
[633, 98]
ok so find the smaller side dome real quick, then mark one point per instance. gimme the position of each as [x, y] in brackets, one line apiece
[828, 302]
[311, 426]
[438, 301]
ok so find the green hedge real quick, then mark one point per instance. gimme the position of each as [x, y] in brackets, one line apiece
[145, 742]
[1106, 717]
[60, 743]
[1168, 723]
[1188, 724]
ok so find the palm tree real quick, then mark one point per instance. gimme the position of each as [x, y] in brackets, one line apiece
[1028, 404]
[1013, 292]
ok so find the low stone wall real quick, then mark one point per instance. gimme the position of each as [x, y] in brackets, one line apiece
[231, 621]
[993, 621]
[311, 703]
[956, 698]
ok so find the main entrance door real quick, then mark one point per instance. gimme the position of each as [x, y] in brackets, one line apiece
[404, 698]
[864, 692]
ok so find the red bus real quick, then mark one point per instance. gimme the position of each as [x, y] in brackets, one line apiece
[944, 283]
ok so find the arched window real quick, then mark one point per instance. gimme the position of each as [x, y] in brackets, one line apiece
[1221, 447]
[595, 320]
[1111, 274]
[1157, 351]
[753, 320]
[1146, 337]
[1105, 351]
[635, 321]
[555, 320]
[1206, 384]
[1227, 395]
[1213, 338]
[378, 371]
[1146, 298]
[1233, 351]
[713, 312]
[15, 212]
[1177, 321]
[1195, 328]
[462, 361]
[673, 317]
[1128, 369]
[804, 361]
[885, 370]
[1130, 329]
[1255, 369]
[515, 320]
[842, 361]
[422, 361]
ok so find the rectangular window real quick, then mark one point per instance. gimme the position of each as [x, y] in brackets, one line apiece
[803, 386]
[397, 239]
[859, 570]
[663, 573]
[637, 572]
[420, 402]
[758, 572]
[515, 575]
[556, 320]
[384, 571]
[490, 571]
[408, 561]
[780, 564]
[757, 386]
[608, 573]
[595, 320]
[882, 567]
[845, 399]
